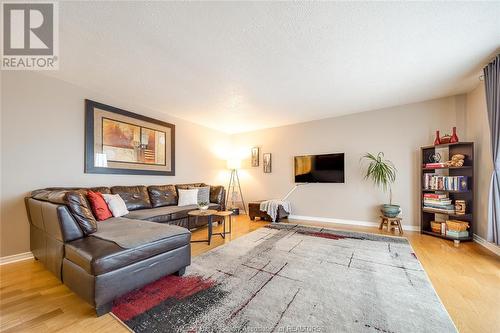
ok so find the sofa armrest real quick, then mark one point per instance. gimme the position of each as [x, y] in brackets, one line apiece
[218, 195]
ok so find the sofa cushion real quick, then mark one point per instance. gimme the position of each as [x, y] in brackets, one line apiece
[80, 208]
[98, 256]
[56, 194]
[116, 204]
[188, 197]
[135, 197]
[187, 186]
[162, 195]
[53, 196]
[217, 194]
[203, 194]
[164, 214]
[99, 206]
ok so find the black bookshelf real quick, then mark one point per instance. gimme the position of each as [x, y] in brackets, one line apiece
[428, 214]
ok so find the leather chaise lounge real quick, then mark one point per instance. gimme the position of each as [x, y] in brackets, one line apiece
[99, 269]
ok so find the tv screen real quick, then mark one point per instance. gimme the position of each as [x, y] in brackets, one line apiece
[327, 168]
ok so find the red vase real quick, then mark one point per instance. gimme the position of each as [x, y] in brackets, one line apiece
[454, 137]
[437, 141]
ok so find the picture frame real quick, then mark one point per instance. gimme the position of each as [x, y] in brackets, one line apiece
[255, 156]
[122, 142]
[267, 162]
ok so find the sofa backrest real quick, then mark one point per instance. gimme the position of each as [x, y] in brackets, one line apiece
[53, 199]
[51, 225]
[163, 195]
[54, 219]
[187, 186]
[135, 197]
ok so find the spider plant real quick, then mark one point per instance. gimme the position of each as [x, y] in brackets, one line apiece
[381, 171]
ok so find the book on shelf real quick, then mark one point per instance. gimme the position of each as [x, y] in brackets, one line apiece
[435, 196]
[442, 209]
[435, 165]
[436, 182]
[441, 202]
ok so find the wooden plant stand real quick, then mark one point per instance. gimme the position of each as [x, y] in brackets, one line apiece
[390, 221]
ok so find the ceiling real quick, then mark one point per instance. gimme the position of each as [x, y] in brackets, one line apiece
[240, 66]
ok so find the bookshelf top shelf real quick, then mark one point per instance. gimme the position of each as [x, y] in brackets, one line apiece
[444, 145]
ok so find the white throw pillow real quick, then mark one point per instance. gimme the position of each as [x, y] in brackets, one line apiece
[116, 204]
[188, 197]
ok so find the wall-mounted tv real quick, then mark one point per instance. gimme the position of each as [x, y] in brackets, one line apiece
[326, 168]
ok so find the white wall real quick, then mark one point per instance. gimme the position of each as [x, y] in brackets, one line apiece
[398, 132]
[478, 130]
[42, 143]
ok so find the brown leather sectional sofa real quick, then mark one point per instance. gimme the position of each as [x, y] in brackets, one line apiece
[97, 268]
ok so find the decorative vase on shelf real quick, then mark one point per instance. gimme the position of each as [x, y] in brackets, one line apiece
[454, 137]
[437, 141]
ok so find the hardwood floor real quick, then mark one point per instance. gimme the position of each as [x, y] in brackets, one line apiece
[466, 278]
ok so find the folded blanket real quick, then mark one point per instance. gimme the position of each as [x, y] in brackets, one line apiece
[271, 207]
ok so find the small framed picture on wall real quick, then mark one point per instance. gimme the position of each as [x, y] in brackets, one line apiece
[267, 162]
[255, 156]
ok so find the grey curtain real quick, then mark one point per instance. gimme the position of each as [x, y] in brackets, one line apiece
[492, 85]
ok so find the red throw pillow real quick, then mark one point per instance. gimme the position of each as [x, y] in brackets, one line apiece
[99, 206]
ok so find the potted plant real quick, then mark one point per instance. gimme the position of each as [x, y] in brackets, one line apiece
[383, 173]
[203, 205]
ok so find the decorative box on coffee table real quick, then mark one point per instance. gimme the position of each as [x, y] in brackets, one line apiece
[254, 211]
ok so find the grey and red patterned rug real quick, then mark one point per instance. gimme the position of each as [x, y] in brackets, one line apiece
[291, 278]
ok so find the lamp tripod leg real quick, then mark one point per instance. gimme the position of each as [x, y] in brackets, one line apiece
[241, 194]
[229, 189]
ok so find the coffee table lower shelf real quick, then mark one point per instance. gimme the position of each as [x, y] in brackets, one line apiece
[436, 234]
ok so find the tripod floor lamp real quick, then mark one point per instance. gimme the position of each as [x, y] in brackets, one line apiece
[234, 184]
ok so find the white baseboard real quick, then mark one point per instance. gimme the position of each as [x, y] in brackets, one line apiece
[16, 257]
[350, 222]
[481, 241]
[490, 246]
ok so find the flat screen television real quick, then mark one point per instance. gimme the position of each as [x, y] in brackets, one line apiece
[326, 168]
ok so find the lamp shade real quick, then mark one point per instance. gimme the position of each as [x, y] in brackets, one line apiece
[233, 163]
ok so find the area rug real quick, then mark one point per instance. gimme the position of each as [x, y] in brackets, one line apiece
[291, 278]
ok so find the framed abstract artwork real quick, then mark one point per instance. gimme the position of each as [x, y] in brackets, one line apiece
[267, 162]
[123, 142]
[255, 156]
